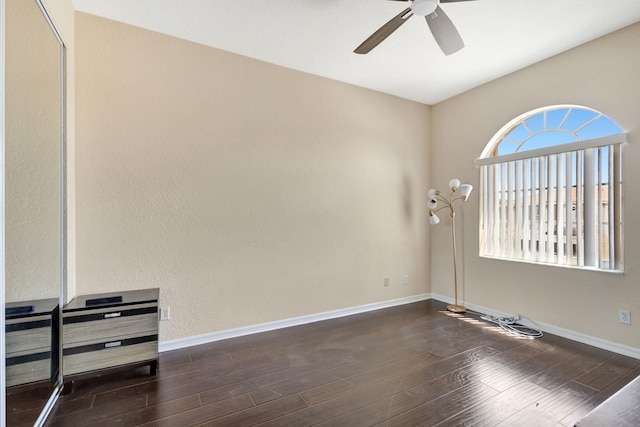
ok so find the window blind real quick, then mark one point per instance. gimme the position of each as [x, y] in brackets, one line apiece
[558, 205]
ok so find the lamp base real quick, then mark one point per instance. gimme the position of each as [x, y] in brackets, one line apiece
[455, 308]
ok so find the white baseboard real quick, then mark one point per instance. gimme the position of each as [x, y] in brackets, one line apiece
[279, 324]
[565, 333]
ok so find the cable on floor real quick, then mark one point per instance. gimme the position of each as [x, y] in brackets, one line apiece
[510, 324]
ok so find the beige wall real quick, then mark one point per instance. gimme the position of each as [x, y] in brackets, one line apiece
[603, 75]
[32, 169]
[247, 192]
[32, 153]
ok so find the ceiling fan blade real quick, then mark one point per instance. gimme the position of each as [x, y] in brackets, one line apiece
[444, 32]
[385, 31]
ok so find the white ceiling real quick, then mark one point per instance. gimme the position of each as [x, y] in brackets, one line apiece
[318, 36]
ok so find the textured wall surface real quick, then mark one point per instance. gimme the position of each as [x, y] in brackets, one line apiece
[32, 155]
[247, 192]
[603, 75]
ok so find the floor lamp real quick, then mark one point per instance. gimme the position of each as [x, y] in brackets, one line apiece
[435, 197]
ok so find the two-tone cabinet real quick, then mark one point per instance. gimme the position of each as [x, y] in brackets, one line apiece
[109, 330]
[31, 333]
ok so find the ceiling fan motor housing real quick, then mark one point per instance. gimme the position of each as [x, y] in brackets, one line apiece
[424, 7]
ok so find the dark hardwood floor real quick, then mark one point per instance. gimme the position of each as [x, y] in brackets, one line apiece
[410, 365]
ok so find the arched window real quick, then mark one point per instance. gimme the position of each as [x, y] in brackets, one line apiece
[551, 189]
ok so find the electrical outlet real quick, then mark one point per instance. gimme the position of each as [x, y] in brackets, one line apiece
[386, 282]
[624, 317]
[405, 279]
[165, 313]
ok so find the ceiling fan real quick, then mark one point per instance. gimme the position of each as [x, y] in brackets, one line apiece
[443, 30]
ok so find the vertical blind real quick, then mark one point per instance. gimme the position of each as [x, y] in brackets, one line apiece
[558, 205]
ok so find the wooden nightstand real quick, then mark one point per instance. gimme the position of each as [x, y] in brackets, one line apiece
[108, 330]
[31, 332]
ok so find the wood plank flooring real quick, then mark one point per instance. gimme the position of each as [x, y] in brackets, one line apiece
[410, 365]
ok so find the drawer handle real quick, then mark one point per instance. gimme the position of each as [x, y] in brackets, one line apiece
[113, 344]
[111, 315]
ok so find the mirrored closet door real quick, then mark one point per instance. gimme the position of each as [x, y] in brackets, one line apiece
[33, 210]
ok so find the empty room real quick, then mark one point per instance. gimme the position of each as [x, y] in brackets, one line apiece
[302, 213]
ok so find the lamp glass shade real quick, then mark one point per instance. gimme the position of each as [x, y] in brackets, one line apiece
[432, 193]
[433, 218]
[465, 190]
[432, 203]
[454, 184]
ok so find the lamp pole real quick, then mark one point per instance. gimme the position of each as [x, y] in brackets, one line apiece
[456, 308]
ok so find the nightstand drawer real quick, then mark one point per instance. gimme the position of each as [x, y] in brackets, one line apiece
[96, 326]
[109, 354]
[20, 370]
[24, 335]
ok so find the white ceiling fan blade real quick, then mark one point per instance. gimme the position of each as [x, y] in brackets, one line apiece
[444, 32]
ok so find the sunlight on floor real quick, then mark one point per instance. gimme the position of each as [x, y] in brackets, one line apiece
[485, 325]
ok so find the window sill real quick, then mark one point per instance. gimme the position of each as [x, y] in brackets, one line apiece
[571, 267]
